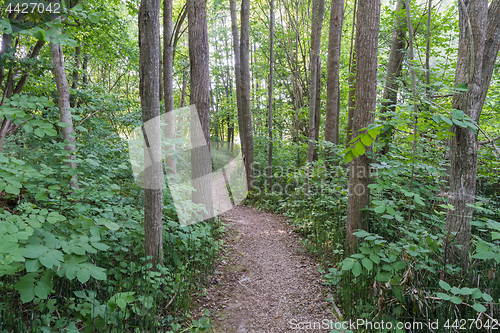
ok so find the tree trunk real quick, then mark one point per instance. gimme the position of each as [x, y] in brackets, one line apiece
[201, 164]
[366, 95]
[333, 80]
[168, 83]
[84, 67]
[396, 56]
[352, 78]
[64, 105]
[473, 16]
[237, 70]
[318, 10]
[149, 87]
[270, 93]
[246, 111]
[74, 84]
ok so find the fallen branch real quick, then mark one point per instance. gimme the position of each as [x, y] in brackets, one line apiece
[88, 116]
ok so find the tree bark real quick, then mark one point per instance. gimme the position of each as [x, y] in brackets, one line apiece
[333, 79]
[396, 56]
[366, 94]
[473, 21]
[74, 84]
[352, 78]
[64, 105]
[201, 164]
[246, 111]
[149, 73]
[270, 93]
[168, 83]
[318, 10]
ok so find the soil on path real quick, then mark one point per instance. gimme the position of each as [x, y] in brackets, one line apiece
[264, 281]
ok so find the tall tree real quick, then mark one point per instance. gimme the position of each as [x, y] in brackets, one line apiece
[396, 56]
[168, 82]
[201, 164]
[246, 112]
[333, 81]
[149, 86]
[74, 84]
[270, 94]
[478, 47]
[366, 95]
[318, 11]
[352, 76]
[64, 105]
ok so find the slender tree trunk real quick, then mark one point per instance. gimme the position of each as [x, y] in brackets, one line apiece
[396, 56]
[246, 111]
[352, 77]
[168, 83]
[64, 105]
[201, 164]
[333, 80]
[473, 18]
[184, 87]
[366, 95]
[318, 10]
[317, 109]
[149, 73]
[270, 93]
[74, 84]
[428, 48]
[84, 68]
[237, 70]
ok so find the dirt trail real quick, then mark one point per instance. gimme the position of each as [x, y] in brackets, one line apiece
[265, 281]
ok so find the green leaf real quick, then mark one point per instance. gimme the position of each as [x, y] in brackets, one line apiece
[27, 295]
[456, 300]
[461, 87]
[360, 148]
[11, 189]
[97, 272]
[95, 17]
[375, 258]
[35, 251]
[399, 265]
[42, 290]
[32, 265]
[457, 114]
[112, 226]
[348, 157]
[383, 277]
[445, 297]
[121, 303]
[444, 285]
[347, 264]
[487, 297]
[366, 139]
[51, 258]
[83, 275]
[367, 263]
[390, 210]
[479, 307]
[459, 123]
[447, 120]
[41, 195]
[476, 293]
[356, 269]
[380, 209]
[437, 119]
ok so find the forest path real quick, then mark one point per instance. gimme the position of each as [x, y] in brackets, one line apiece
[264, 281]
